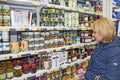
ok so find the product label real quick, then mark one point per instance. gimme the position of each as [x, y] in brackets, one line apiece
[2, 76]
[10, 74]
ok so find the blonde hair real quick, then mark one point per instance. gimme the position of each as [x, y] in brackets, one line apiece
[105, 27]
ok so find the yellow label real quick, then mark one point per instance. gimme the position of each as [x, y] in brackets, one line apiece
[36, 52]
[7, 29]
[35, 3]
[81, 10]
[25, 79]
[4, 0]
[19, 55]
[38, 28]
[22, 29]
[83, 28]
[6, 57]
[41, 74]
[52, 6]
[1, 29]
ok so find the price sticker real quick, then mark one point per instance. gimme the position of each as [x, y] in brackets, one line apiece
[36, 52]
[1, 29]
[22, 29]
[6, 57]
[81, 10]
[83, 28]
[39, 28]
[52, 6]
[35, 3]
[7, 29]
[61, 28]
[25, 79]
[19, 55]
[4, 0]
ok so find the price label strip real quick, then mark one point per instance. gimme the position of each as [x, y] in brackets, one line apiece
[35, 3]
[1, 29]
[19, 56]
[22, 29]
[6, 57]
[4, 0]
[36, 52]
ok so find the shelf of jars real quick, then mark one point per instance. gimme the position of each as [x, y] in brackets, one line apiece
[42, 4]
[36, 52]
[40, 73]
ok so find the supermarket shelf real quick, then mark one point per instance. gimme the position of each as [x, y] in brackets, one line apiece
[72, 9]
[41, 72]
[35, 52]
[41, 28]
[39, 4]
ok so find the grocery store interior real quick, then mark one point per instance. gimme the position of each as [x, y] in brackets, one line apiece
[50, 39]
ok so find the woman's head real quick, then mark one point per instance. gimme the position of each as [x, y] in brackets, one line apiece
[104, 30]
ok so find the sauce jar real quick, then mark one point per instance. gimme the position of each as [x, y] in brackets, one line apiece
[25, 68]
[2, 74]
[18, 71]
[10, 73]
[33, 68]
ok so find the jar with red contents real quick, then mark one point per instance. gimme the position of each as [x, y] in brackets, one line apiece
[25, 68]
[33, 68]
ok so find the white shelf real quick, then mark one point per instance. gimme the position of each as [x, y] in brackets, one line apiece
[40, 28]
[35, 52]
[40, 72]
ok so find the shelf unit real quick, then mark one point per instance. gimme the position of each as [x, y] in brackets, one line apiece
[38, 5]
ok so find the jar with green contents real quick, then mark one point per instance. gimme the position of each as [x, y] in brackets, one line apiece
[2, 74]
[9, 73]
[18, 71]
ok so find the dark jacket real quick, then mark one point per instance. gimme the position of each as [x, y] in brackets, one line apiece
[105, 62]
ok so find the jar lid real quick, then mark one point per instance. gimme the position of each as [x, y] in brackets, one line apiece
[17, 67]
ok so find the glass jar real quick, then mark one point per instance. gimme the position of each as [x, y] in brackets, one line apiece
[18, 71]
[25, 68]
[2, 74]
[9, 73]
[33, 68]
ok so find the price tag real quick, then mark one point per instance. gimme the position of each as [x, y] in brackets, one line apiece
[52, 6]
[35, 3]
[39, 28]
[68, 9]
[61, 28]
[83, 28]
[7, 29]
[36, 52]
[81, 10]
[25, 79]
[22, 29]
[6, 57]
[19, 55]
[4, 0]
[41, 74]
[1, 29]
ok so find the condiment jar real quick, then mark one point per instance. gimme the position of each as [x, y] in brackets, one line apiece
[18, 71]
[33, 68]
[9, 73]
[25, 68]
[2, 74]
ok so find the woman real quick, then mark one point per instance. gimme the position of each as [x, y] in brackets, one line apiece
[105, 60]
